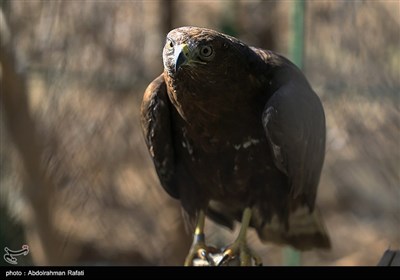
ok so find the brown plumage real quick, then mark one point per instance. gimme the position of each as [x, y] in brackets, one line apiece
[231, 126]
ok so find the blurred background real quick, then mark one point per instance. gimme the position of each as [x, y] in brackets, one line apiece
[98, 200]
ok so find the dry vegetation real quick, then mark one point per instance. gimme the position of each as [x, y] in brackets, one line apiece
[88, 63]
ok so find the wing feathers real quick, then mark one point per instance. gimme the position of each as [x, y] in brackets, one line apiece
[294, 123]
[156, 126]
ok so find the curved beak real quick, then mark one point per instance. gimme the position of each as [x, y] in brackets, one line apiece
[181, 55]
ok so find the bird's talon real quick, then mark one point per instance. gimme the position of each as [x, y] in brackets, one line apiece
[223, 260]
[244, 255]
[205, 255]
[202, 253]
[227, 257]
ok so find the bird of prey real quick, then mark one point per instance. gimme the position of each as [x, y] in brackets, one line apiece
[236, 133]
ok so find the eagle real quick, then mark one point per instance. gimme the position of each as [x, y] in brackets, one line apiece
[236, 133]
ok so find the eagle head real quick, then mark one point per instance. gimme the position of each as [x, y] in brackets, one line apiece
[202, 54]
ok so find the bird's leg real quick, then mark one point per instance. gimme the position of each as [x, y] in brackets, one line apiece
[239, 247]
[199, 249]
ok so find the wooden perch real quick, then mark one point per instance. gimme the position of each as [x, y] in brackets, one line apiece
[390, 258]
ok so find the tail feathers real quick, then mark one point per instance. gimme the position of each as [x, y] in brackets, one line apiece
[306, 230]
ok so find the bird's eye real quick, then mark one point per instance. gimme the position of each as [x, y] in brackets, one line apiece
[206, 51]
[169, 44]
